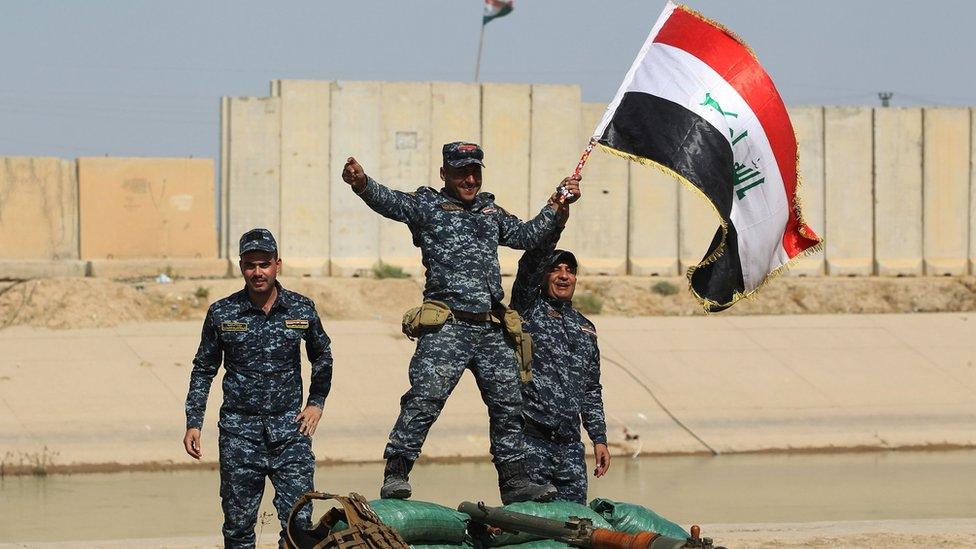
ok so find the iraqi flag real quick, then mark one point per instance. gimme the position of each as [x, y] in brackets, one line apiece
[697, 104]
[495, 9]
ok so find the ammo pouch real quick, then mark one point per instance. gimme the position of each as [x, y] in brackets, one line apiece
[365, 530]
[430, 316]
[512, 323]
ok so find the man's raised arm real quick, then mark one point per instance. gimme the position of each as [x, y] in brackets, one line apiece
[395, 205]
[528, 280]
[525, 235]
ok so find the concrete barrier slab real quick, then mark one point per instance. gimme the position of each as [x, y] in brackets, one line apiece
[653, 227]
[38, 209]
[132, 208]
[808, 125]
[356, 131]
[598, 222]
[556, 142]
[946, 190]
[305, 171]
[898, 191]
[506, 115]
[455, 115]
[252, 187]
[405, 162]
[972, 196]
[848, 180]
[25, 269]
[173, 267]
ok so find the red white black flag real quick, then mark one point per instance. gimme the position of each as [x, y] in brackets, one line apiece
[697, 104]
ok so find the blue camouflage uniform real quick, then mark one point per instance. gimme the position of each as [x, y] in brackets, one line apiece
[565, 384]
[459, 245]
[262, 389]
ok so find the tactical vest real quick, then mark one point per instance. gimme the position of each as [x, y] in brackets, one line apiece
[365, 529]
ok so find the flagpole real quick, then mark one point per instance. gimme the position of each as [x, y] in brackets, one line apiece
[477, 65]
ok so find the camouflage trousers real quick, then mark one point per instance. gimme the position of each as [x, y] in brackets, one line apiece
[440, 359]
[244, 464]
[562, 464]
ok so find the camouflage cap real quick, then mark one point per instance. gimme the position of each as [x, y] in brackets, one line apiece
[258, 240]
[459, 153]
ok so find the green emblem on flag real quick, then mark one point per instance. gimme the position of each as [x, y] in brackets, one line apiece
[743, 174]
[709, 102]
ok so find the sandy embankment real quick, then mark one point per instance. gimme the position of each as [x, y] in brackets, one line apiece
[887, 534]
[72, 303]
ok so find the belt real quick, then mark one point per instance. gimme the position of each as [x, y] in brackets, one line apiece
[537, 430]
[465, 316]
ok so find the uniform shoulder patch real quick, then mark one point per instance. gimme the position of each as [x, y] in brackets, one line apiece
[450, 207]
[228, 326]
[298, 324]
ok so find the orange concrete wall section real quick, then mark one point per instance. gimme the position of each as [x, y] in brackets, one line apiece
[38, 209]
[134, 208]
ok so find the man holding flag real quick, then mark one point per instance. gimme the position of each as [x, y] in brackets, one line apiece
[458, 230]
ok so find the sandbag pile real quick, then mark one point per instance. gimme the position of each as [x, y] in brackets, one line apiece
[426, 525]
[631, 518]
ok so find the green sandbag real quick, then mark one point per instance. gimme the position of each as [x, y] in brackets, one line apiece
[421, 521]
[632, 518]
[554, 510]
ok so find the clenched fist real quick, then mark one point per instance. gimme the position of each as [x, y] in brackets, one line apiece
[353, 174]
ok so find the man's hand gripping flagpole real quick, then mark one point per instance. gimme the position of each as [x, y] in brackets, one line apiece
[563, 193]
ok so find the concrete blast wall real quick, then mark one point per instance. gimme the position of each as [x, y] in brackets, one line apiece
[889, 189]
[252, 196]
[143, 208]
[848, 191]
[945, 184]
[898, 191]
[38, 209]
[306, 110]
[506, 125]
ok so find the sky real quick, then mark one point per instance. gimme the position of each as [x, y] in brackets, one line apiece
[144, 78]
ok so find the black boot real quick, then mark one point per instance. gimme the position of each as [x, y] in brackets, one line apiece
[514, 484]
[395, 485]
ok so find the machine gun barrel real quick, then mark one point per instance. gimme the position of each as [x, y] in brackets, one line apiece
[517, 522]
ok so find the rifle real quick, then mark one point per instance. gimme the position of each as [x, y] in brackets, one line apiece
[578, 532]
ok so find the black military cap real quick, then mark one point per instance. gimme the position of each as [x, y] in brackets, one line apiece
[459, 154]
[567, 257]
[258, 240]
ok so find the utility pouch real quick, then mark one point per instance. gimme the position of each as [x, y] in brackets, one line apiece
[430, 316]
[522, 341]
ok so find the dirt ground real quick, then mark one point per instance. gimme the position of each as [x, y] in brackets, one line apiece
[67, 303]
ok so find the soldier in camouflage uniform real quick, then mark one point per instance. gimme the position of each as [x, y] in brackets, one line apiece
[263, 430]
[565, 382]
[458, 230]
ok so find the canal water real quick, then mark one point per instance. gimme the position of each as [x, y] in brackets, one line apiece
[703, 490]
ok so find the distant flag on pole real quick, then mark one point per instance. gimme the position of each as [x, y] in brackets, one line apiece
[697, 104]
[495, 9]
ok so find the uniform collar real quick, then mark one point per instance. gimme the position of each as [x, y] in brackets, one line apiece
[558, 304]
[480, 200]
[282, 301]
